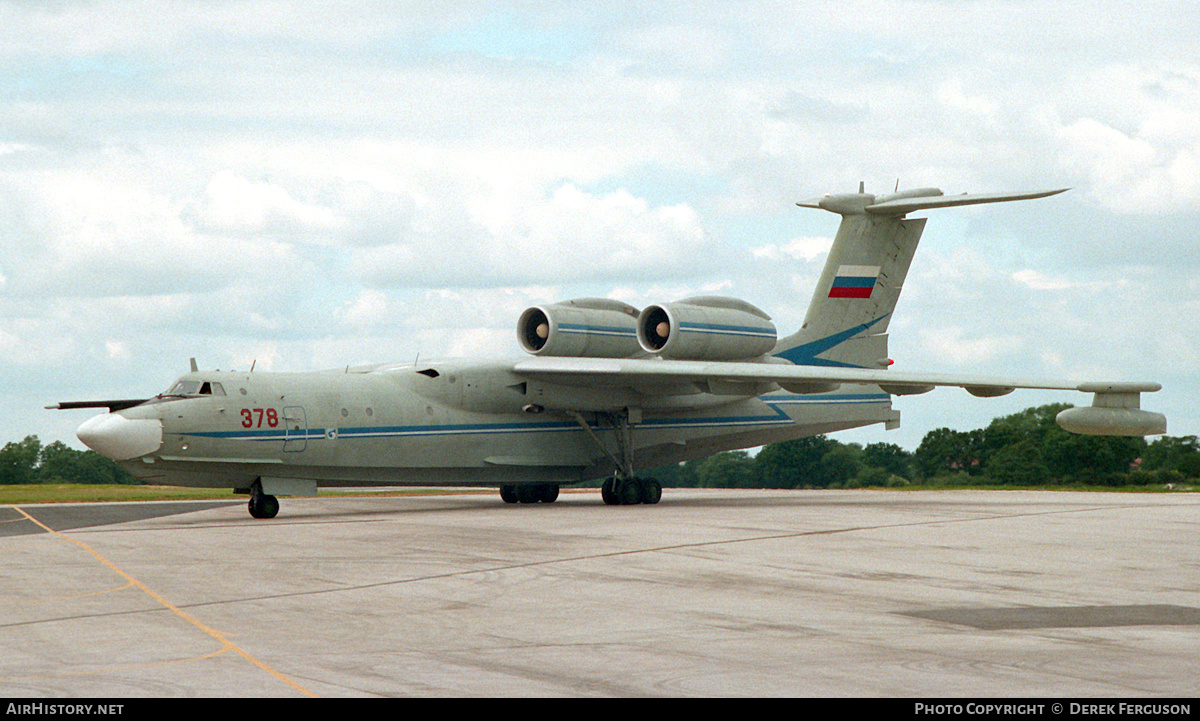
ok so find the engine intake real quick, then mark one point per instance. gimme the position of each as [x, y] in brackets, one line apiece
[584, 327]
[706, 328]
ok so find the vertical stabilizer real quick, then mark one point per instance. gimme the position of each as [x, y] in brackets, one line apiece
[851, 307]
[847, 320]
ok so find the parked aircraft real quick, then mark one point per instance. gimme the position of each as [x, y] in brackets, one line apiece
[606, 391]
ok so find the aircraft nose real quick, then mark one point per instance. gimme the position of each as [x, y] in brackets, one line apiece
[121, 438]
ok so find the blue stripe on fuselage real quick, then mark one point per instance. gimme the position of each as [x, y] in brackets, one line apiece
[774, 402]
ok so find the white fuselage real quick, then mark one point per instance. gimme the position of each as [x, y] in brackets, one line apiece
[452, 423]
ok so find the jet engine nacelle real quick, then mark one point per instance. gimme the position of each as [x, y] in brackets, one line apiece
[706, 328]
[584, 327]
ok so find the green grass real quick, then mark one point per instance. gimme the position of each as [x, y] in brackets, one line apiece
[85, 493]
[89, 493]
[1152, 488]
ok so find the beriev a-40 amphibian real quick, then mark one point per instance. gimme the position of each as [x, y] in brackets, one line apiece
[606, 391]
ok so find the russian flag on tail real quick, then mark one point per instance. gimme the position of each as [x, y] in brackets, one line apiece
[854, 281]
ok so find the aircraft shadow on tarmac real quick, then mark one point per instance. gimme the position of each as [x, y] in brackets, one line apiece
[1033, 617]
[72, 516]
[66, 517]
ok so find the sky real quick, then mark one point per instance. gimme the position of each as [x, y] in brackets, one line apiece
[304, 186]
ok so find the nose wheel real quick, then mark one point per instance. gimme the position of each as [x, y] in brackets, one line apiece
[262, 505]
[535, 493]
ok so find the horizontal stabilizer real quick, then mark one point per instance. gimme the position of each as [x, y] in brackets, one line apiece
[898, 204]
[907, 205]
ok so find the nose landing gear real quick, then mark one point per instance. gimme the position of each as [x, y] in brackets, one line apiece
[530, 493]
[262, 505]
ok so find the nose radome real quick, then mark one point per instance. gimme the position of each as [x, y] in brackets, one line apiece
[121, 438]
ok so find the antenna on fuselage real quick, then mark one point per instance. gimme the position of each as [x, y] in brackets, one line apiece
[252, 364]
[195, 368]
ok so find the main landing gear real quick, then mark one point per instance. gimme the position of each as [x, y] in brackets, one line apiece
[618, 491]
[624, 488]
[615, 492]
[261, 504]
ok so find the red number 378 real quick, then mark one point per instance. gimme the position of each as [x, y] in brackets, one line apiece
[253, 417]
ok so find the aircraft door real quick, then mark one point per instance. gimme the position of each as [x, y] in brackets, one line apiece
[295, 433]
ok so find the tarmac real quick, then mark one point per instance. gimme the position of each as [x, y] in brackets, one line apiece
[708, 593]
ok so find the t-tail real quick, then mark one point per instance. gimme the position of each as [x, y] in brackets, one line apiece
[847, 320]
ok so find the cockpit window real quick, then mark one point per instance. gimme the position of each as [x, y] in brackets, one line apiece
[185, 388]
[196, 388]
[211, 389]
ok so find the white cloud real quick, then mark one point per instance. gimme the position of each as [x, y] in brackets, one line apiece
[262, 356]
[1035, 280]
[962, 349]
[807, 249]
[370, 309]
[1140, 150]
[568, 235]
[237, 205]
[116, 350]
[107, 232]
[616, 233]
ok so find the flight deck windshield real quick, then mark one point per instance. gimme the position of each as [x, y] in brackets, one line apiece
[188, 389]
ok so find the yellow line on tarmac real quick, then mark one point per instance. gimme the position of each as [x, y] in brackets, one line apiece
[226, 644]
[43, 599]
[115, 669]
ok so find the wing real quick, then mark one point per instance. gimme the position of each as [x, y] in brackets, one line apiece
[1115, 410]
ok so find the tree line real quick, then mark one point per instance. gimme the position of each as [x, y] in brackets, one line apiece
[1024, 449]
[28, 461]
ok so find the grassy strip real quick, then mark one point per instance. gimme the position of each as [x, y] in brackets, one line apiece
[88, 493]
[1153, 488]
